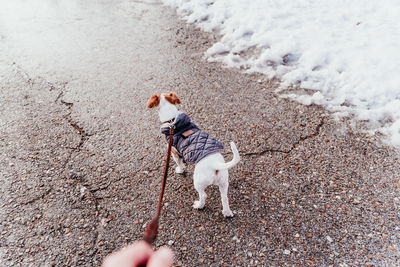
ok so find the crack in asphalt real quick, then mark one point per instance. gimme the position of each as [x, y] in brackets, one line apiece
[106, 185]
[84, 136]
[41, 196]
[294, 145]
[82, 133]
[29, 80]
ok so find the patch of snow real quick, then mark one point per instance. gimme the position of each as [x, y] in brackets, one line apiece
[346, 50]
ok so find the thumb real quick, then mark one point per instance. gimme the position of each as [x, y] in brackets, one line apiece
[164, 257]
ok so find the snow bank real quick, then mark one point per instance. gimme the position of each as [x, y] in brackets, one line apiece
[346, 50]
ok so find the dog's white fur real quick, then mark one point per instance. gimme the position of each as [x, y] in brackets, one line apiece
[210, 170]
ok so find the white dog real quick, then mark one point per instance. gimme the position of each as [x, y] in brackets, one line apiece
[190, 145]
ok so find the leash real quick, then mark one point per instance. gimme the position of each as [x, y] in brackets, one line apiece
[151, 231]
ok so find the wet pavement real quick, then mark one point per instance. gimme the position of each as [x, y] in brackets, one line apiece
[82, 158]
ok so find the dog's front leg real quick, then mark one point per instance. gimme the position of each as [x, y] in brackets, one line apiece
[179, 161]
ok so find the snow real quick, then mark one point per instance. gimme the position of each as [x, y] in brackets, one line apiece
[347, 51]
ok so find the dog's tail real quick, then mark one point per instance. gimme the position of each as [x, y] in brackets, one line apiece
[236, 158]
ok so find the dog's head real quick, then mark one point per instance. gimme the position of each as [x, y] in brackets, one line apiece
[166, 104]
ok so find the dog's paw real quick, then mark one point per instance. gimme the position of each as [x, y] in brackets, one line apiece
[227, 213]
[179, 170]
[198, 205]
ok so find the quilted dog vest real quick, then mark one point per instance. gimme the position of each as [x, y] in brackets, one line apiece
[195, 146]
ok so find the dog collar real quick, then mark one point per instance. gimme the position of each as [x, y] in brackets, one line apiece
[170, 121]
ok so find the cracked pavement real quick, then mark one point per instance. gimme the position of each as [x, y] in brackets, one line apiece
[82, 158]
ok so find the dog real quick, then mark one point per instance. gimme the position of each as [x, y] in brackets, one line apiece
[191, 145]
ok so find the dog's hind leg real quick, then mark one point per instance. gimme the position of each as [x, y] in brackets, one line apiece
[200, 186]
[199, 204]
[223, 184]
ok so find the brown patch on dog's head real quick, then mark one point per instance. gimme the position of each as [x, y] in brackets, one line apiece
[154, 101]
[172, 98]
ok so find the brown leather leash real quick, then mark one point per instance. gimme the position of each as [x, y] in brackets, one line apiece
[151, 231]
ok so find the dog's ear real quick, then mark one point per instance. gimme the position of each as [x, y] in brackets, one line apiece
[154, 101]
[172, 98]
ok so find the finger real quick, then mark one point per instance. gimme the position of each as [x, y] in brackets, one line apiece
[164, 257]
[132, 255]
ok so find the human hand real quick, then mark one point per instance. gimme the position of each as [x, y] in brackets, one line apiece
[140, 253]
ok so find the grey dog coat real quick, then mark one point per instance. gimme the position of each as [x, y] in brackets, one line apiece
[194, 147]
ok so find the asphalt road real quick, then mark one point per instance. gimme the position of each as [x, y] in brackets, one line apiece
[82, 158]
